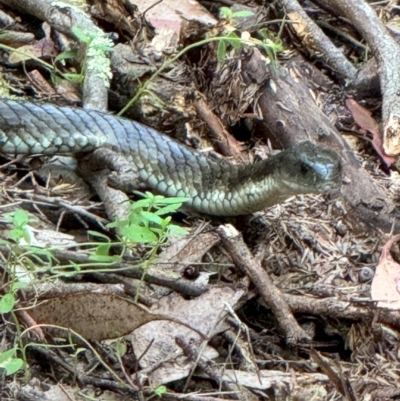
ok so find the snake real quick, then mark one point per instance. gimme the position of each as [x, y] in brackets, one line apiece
[212, 185]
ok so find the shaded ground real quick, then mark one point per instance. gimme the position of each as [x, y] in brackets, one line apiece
[296, 302]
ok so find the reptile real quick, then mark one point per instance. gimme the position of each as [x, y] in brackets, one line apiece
[213, 186]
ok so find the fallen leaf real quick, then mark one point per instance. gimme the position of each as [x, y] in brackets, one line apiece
[40, 48]
[264, 379]
[170, 13]
[364, 119]
[207, 313]
[96, 316]
[40, 83]
[385, 287]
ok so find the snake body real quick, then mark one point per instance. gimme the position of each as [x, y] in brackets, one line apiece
[214, 186]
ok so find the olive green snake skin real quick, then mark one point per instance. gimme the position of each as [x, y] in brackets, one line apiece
[214, 186]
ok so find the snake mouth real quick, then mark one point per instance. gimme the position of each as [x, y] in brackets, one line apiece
[331, 186]
[291, 187]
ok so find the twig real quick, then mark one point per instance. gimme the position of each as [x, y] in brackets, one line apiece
[191, 352]
[316, 41]
[233, 242]
[226, 143]
[387, 52]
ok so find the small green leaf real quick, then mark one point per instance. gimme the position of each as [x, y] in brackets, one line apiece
[225, 12]
[103, 250]
[168, 209]
[34, 250]
[121, 348]
[177, 230]
[73, 77]
[81, 35]
[160, 390]
[168, 201]
[136, 219]
[6, 355]
[98, 235]
[221, 51]
[152, 217]
[7, 303]
[14, 365]
[142, 203]
[159, 231]
[105, 258]
[235, 41]
[263, 33]
[138, 234]
[242, 14]
[66, 55]
[16, 234]
[146, 195]
[117, 224]
[21, 218]
[19, 285]
[102, 48]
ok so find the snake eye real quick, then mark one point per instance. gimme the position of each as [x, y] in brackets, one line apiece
[304, 169]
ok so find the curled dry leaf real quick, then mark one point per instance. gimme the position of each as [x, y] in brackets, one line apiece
[364, 119]
[385, 287]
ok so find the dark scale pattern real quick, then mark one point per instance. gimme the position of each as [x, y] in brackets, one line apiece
[213, 185]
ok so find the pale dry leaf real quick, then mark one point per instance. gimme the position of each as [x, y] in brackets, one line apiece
[385, 287]
[264, 379]
[207, 313]
[43, 238]
[184, 251]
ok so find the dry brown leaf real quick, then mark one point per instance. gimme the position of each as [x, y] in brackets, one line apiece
[170, 13]
[363, 118]
[96, 316]
[68, 90]
[40, 83]
[40, 48]
[385, 287]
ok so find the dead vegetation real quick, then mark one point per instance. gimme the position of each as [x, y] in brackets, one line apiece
[296, 302]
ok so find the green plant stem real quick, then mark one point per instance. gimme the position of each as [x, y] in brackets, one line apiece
[84, 341]
[167, 63]
[31, 56]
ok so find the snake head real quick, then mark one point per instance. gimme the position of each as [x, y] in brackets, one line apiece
[307, 168]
